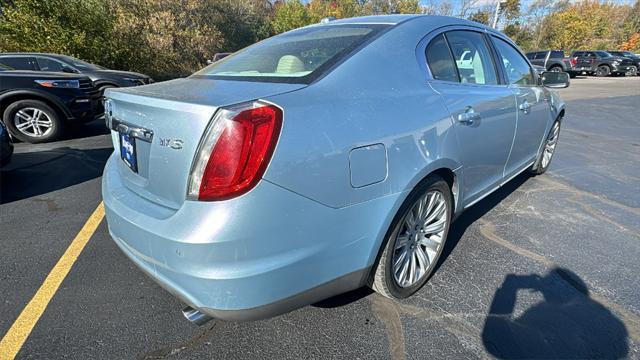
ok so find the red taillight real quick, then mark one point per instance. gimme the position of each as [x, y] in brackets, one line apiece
[236, 149]
[573, 61]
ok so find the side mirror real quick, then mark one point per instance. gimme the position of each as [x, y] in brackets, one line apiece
[67, 69]
[555, 80]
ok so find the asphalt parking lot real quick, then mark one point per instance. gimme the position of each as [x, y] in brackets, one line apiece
[548, 264]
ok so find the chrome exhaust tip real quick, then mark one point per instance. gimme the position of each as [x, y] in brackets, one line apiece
[196, 316]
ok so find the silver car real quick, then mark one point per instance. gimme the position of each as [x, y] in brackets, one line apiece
[321, 160]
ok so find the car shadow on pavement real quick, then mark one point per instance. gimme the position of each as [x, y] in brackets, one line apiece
[90, 129]
[566, 324]
[36, 173]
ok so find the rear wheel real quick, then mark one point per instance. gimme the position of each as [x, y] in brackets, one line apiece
[415, 241]
[548, 149]
[633, 71]
[603, 70]
[556, 68]
[33, 121]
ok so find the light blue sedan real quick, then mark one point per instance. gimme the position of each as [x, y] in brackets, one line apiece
[321, 160]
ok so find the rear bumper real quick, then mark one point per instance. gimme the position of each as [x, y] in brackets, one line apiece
[262, 254]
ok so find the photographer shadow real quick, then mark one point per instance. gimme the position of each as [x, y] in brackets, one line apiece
[567, 324]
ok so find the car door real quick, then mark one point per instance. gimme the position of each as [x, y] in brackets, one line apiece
[533, 113]
[482, 109]
[539, 59]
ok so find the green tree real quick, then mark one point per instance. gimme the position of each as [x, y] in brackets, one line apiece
[481, 16]
[290, 14]
[74, 27]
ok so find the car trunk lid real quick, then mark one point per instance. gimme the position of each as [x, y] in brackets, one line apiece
[162, 124]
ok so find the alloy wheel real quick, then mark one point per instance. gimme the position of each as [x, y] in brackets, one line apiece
[420, 239]
[602, 70]
[33, 122]
[550, 145]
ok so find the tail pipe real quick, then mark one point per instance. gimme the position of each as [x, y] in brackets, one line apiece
[196, 316]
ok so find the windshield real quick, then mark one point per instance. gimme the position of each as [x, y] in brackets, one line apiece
[603, 54]
[82, 65]
[297, 56]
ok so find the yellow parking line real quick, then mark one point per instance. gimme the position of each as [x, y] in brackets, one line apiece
[22, 327]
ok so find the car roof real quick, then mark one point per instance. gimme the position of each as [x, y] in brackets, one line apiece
[59, 56]
[397, 19]
[375, 19]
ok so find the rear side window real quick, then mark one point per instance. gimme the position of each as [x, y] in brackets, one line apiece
[531, 56]
[541, 56]
[297, 56]
[472, 57]
[557, 54]
[18, 62]
[515, 66]
[440, 61]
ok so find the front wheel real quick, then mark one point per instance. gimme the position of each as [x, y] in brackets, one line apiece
[548, 149]
[556, 69]
[415, 240]
[33, 121]
[603, 70]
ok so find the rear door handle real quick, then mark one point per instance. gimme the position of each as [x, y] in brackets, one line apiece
[468, 116]
[525, 107]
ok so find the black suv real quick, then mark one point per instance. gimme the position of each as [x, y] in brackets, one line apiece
[553, 60]
[631, 56]
[601, 63]
[36, 106]
[102, 78]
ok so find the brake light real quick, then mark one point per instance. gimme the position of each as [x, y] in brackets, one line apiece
[573, 61]
[235, 151]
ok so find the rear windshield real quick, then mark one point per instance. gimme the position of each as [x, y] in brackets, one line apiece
[297, 56]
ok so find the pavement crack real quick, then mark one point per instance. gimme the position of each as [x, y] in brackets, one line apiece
[166, 352]
[387, 311]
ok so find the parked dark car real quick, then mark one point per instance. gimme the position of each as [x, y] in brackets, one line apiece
[6, 145]
[218, 56]
[37, 106]
[601, 63]
[103, 78]
[553, 60]
[631, 56]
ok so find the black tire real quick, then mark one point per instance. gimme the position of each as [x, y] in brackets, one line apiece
[603, 71]
[539, 167]
[382, 279]
[572, 75]
[556, 68]
[55, 131]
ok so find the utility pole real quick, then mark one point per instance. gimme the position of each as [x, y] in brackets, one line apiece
[497, 13]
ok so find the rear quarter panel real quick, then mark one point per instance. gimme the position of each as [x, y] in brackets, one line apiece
[378, 96]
